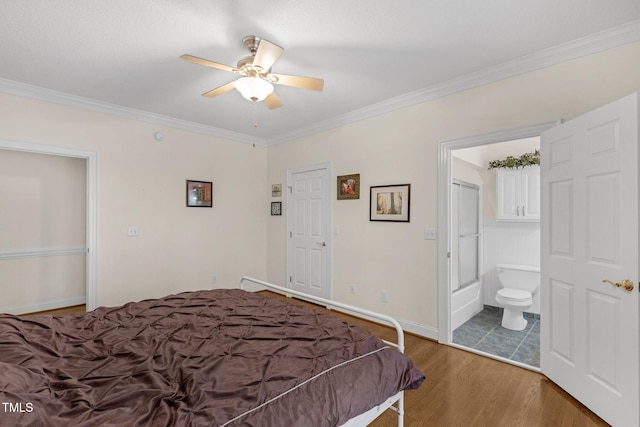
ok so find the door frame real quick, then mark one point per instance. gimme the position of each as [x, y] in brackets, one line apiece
[444, 210]
[327, 219]
[91, 243]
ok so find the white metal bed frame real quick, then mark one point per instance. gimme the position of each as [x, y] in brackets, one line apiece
[395, 402]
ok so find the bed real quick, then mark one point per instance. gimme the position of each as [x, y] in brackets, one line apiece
[225, 357]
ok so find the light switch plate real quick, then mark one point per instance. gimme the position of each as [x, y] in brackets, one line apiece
[430, 234]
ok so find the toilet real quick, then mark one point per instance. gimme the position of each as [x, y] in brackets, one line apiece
[519, 283]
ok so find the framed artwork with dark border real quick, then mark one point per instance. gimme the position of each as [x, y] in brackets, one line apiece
[390, 203]
[199, 194]
[348, 187]
[276, 208]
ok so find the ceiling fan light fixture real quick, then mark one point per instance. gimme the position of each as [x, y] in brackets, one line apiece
[256, 81]
[253, 88]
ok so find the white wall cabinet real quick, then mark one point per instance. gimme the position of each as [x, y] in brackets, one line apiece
[518, 194]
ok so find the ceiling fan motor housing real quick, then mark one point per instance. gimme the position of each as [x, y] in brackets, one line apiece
[251, 42]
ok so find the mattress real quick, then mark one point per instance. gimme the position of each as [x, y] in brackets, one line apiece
[210, 358]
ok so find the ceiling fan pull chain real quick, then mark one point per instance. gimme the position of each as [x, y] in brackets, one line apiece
[255, 114]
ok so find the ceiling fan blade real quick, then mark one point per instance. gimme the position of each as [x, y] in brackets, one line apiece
[310, 83]
[207, 63]
[266, 54]
[273, 101]
[220, 90]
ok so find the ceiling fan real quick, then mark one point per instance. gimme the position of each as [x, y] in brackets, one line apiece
[256, 83]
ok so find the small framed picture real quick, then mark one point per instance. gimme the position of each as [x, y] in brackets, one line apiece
[276, 190]
[199, 194]
[390, 203]
[348, 187]
[276, 208]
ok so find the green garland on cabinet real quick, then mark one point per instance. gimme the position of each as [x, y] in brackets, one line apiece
[527, 159]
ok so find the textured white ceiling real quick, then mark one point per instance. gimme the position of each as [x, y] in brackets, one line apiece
[369, 52]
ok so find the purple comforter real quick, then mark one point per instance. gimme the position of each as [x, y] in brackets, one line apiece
[206, 358]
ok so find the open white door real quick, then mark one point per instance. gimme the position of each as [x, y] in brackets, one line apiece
[308, 224]
[589, 235]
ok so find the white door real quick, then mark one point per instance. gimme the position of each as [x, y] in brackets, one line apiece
[308, 224]
[589, 234]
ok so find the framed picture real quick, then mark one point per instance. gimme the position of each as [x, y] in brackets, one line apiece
[276, 208]
[199, 194]
[276, 190]
[390, 203]
[348, 187]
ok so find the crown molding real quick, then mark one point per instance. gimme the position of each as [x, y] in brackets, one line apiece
[47, 95]
[594, 43]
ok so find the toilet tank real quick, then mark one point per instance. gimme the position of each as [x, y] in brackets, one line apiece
[515, 276]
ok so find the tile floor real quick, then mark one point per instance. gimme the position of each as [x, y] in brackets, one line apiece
[485, 333]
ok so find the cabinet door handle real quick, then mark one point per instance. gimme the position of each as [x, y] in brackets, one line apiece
[517, 210]
[523, 214]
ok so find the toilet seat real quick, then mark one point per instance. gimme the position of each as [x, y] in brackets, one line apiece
[515, 296]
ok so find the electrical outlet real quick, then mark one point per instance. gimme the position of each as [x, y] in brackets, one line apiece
[384, 296]
[214, 279]
[352, 289]
[133, 231]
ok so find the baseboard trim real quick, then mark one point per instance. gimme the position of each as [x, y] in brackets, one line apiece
[418, 329]
[43, 306]
[407, 325]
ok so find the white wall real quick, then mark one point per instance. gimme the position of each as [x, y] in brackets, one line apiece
[142, 182]
[402, 146]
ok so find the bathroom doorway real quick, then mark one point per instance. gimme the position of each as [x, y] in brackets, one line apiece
[470, 315]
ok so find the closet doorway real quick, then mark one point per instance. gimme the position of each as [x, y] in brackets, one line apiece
[86, 249]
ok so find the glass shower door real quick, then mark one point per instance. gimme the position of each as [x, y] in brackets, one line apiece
[465, 234]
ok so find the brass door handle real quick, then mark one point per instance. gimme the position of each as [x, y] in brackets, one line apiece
[626, 284]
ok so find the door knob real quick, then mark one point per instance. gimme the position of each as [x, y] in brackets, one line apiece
[323, 244]
[626, 284]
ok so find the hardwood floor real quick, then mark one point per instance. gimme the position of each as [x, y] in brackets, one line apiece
[464, 389]
[76, 309]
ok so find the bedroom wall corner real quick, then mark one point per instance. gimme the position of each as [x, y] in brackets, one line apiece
[142, 182]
